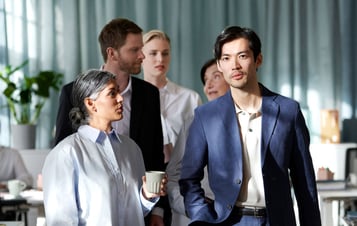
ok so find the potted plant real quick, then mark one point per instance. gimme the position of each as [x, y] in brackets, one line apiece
[26, 95]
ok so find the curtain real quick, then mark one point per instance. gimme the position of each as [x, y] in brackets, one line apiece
[309, 48]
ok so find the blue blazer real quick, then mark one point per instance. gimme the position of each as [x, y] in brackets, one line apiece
[214, 140]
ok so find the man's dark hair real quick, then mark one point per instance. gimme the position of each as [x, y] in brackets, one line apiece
[234, 32]
[114, 34]
[208, 64]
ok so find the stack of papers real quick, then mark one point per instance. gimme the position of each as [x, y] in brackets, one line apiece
[331, 185]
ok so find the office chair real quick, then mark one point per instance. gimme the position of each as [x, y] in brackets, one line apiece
[351, 167]
[351, 162]
[349, 127]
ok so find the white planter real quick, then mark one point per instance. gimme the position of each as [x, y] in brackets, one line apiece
[23, 136]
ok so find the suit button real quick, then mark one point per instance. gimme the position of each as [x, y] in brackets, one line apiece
[229, 207]
[238, 181]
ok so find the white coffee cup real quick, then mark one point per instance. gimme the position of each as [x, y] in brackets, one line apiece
[16, 187]
[153, 180]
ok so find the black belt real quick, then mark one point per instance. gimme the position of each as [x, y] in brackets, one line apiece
[256, 212]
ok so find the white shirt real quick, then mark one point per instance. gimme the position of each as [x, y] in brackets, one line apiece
[91, 178]
[252, 191]
[177, 105]
[12, 166]
[123, 126]
[173, 171]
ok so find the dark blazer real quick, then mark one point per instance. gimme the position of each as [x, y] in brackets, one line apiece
[145, 121]
[63, 123]
[213, 140]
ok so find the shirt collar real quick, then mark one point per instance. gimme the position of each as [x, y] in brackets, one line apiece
[128, 88]
[169, 87]
[254, 115]
[96, 135]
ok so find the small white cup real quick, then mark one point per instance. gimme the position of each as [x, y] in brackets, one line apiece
[153, 181]
[16, 187]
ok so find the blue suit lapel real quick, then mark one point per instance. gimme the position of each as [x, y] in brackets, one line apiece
[270, 113]
[230, 122]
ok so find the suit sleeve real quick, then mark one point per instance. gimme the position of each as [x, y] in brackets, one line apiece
[303, 176]
[192, 172]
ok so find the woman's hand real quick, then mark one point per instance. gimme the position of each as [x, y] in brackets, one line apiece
[148, 195]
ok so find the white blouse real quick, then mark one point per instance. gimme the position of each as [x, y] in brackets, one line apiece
[91, 178]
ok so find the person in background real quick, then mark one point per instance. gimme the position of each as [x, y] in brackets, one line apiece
[12, 167]
[214, 86]
[95, 176]
[177, 103]
[252, 140]
[121, 45]
[213, 81]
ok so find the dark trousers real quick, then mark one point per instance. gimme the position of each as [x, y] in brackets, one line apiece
[167, 215]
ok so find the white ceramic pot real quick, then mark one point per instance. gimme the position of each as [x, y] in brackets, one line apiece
[23, 136]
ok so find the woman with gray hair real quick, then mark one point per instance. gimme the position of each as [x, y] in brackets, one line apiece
[95, 176]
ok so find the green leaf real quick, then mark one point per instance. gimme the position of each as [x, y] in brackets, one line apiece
[26, 98]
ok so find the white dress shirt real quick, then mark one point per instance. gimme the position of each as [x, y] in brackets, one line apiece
[173, 189]
[123, 126]
[12, 166]
[252, 191]
[177, 105]
[91, 178]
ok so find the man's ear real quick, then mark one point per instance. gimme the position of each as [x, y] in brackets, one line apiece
[259, 60]
[219, 66]
[111, 53]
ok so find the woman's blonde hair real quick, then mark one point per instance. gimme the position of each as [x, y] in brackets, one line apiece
[150, 35]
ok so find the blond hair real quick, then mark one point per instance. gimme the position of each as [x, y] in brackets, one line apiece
[150, 35]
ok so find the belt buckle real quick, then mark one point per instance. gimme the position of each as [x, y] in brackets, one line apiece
[256, 212]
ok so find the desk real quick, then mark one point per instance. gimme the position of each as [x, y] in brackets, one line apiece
[11, 223]
[33, 197]
[33, 200]
[327, 197]
[332, 156]
[18, 206]
[350, 221]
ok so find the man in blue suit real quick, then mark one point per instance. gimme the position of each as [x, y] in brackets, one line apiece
[255, 144]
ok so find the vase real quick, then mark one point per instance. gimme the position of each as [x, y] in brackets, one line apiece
[329, 123]
[23, 136]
